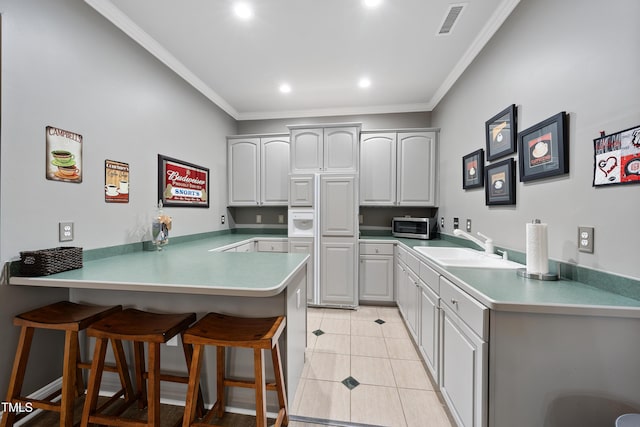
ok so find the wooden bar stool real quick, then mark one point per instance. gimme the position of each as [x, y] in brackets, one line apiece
[227, 331]
[71, 318]
[140, 327]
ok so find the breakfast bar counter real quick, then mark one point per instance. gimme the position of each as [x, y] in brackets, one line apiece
[196, 276]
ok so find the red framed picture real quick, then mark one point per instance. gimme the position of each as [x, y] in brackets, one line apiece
[182, 184]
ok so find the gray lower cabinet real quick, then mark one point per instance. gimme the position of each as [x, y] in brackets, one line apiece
[429, 304]
[301, 245]
[376, 272]
[338, 272]
[464, 355]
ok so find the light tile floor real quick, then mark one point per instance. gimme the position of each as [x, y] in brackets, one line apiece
[392, 387]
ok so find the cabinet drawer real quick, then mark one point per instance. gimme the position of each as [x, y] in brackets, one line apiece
[376, 248]
[474, 314]
[272, 246]
[430, 277]
[246, 247]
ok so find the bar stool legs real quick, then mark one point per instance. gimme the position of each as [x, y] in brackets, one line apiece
[70, 318]
[226, 331]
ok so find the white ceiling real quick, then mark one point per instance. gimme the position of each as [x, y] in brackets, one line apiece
[320, 47]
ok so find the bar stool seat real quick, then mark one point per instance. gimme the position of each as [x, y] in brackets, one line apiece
[228, 331]
[71, 318]
[140, 327]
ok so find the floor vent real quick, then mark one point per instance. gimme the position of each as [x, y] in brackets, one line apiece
[450, 19]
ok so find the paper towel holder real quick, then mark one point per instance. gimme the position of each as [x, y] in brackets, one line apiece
[522, 272]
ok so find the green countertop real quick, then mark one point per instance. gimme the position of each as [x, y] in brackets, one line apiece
[185, 268]
[504, 290]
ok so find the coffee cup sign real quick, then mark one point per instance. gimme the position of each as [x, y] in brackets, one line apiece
[116, 182]
[64, 155]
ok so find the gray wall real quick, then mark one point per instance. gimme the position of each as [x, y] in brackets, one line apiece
[369, 121]
[64, 65]
[574, 56]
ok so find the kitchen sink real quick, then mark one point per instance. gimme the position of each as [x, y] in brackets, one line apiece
[465, 257]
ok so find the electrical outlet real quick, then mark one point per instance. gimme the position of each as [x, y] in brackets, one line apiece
[442, 223]
[258, 219]
[222, 219]
[65, 231]
[361, 219]
[173, 341]
[468, 226]
[585, 239]
[280, 219]
[456, 223]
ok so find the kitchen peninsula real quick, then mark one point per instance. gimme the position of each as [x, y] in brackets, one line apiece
[196, 277]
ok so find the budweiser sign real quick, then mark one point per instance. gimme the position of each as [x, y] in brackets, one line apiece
[183, 184]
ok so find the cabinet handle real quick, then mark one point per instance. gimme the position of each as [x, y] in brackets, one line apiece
[377, 250]
[454, 301]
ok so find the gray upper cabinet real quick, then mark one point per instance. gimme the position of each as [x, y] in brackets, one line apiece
[398, 168]
[324, 149]
[274, 171]
[257, 169]
[416, 169]
[378, 169]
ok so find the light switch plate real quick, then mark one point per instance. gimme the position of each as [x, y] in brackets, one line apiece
[585, 239]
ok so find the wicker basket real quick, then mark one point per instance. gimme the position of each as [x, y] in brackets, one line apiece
[49, 261]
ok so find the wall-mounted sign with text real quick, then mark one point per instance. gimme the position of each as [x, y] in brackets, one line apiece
[116, 182]
[182, 184]
[64, 155]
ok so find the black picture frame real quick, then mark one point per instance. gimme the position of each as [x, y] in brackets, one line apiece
[182, 184]
[543, 149]
[473, 170]
[501, 131]
[500, 180]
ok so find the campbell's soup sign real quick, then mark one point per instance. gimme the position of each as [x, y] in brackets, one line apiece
[184, 184]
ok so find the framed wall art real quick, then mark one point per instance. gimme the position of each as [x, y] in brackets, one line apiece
[64, 155]
[116, 182]
[473, 170]
[501, 133]
[182, 184]
[617, 158]
[543, 149]
[500, 179]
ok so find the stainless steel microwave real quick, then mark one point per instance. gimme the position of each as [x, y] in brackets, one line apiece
[414, 228]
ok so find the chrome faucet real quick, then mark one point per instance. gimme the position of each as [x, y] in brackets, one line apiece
[487, 245]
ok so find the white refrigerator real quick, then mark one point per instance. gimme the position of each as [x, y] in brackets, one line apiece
[323, 221]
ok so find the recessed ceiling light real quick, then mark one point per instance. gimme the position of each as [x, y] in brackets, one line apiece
[364, 82]
[372, 3]
[243, 10]
[285, 88]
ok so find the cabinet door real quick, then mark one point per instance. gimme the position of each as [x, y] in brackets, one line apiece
[301, 190]
[412, 303]
[305, 246]
[243, 162]
[463, 373]
[306, 150]
[378, 169]
[338, 216]
[416, 169]
[341, 149]
[338, 271]
[401, 277]
[274, 171]
[429, 321]
[376, 278]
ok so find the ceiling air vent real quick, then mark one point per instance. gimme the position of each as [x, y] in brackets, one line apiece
[450, 19]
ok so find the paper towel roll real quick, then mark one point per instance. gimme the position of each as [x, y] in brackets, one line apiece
[537, 249]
